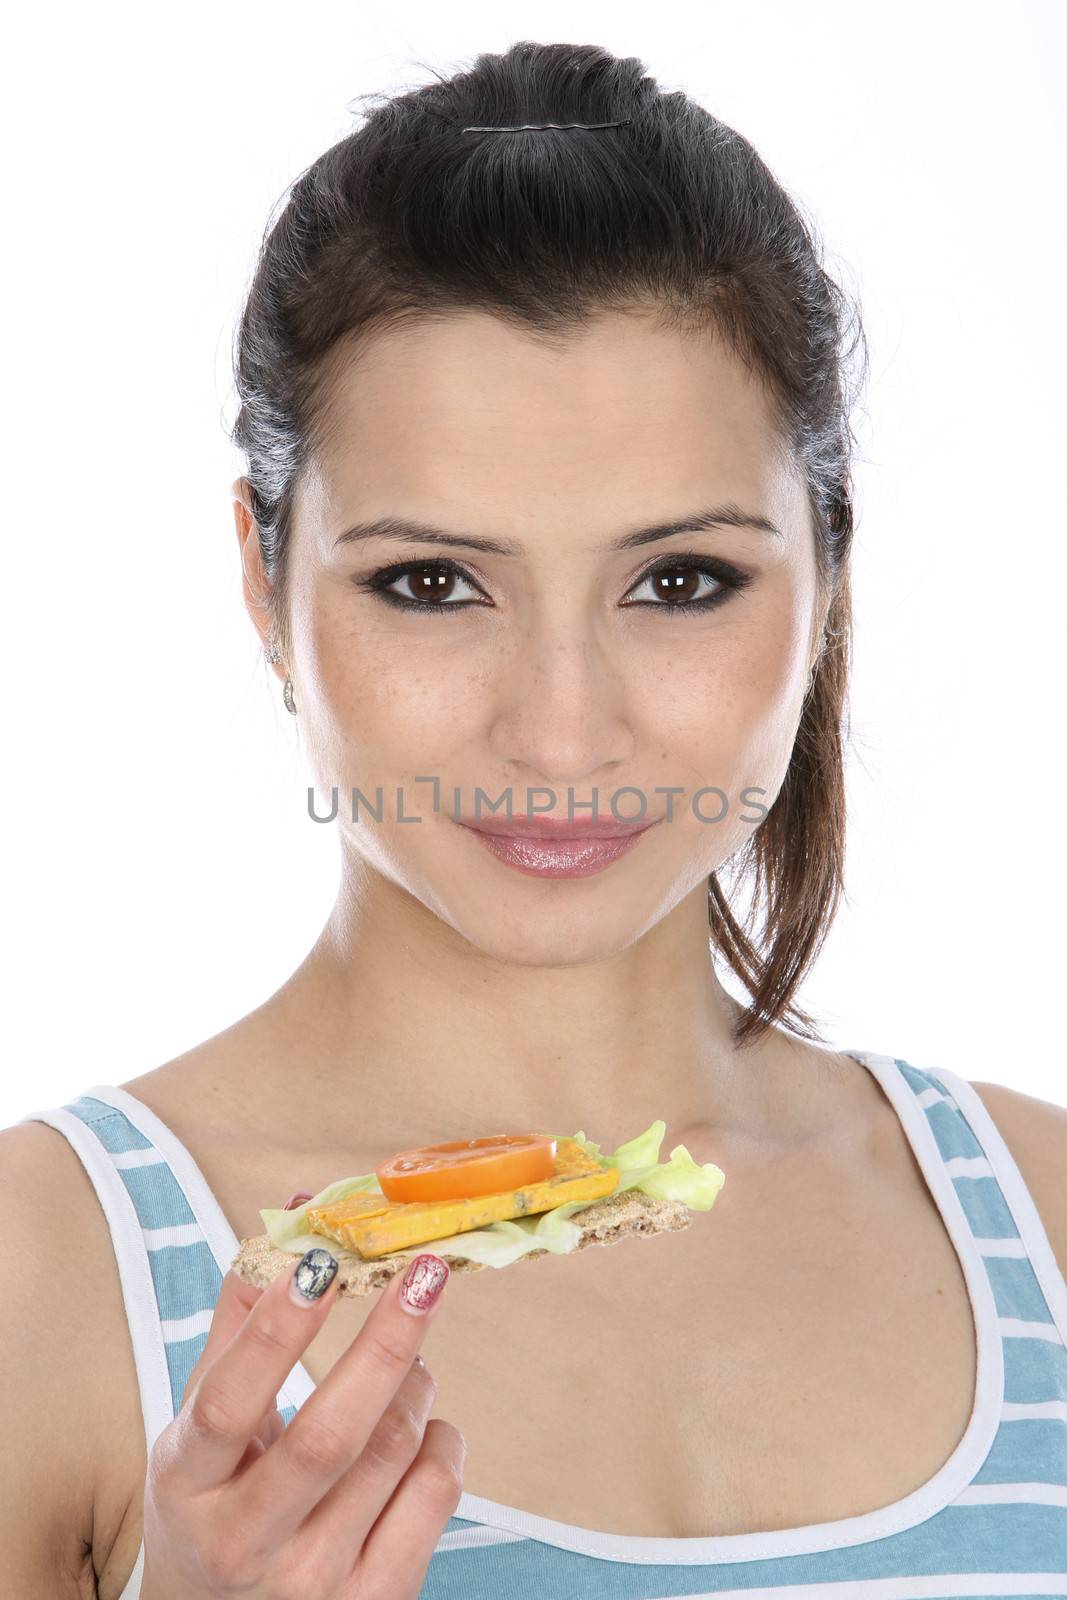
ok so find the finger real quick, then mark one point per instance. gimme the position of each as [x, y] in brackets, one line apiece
[235, 1300]
[253, 1450]
[270, 1427]
[398, 1548]
[241, 1383]
[335, 1423]
[331, 1537]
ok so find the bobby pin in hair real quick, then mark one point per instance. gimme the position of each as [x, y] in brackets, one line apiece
[522, 126]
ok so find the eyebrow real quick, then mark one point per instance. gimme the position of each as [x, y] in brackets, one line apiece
[701, 521]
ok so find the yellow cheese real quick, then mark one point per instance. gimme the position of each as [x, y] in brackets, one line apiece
[359, 1204]
[372, 1226]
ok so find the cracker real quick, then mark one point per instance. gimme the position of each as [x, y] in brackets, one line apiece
[630, 1215]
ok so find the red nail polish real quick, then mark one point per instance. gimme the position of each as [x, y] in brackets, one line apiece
[296, 1199]
[423, 1282]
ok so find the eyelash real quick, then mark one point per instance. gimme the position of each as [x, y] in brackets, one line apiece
[730, 579]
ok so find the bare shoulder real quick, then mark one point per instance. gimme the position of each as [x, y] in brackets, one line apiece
[68, 1382]
[1035, 1132]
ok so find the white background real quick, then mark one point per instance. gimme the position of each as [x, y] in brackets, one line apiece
[161, 876]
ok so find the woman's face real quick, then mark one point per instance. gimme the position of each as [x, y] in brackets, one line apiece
[559, 667]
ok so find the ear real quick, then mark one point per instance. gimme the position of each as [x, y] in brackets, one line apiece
[818, 641]
[255, 585]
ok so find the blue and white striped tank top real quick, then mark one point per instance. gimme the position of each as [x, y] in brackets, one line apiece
[991, 1521]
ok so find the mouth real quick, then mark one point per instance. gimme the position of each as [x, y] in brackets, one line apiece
[561, 849]
[555, 830]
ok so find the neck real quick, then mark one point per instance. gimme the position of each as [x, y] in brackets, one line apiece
[410, 1035]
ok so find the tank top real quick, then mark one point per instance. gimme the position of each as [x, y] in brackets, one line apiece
[991, 1521]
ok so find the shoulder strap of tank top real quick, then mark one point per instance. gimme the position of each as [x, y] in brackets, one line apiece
[1017, 1197]
[106, 1145]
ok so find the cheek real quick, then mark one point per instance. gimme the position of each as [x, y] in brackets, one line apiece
[731, 713]
[763, 713]
[738, 678]
[388, 699]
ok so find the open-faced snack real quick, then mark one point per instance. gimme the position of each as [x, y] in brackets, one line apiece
[485, 1202]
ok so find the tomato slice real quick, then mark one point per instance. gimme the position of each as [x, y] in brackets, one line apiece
[468, 1167]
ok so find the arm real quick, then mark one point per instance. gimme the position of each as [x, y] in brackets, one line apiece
[1035, 1131]
[47, 1477]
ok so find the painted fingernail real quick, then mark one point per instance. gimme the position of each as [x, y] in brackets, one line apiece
[315, 1271]
[296, 1199]
[423, 1282]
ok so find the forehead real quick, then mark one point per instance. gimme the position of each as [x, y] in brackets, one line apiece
[622, 416]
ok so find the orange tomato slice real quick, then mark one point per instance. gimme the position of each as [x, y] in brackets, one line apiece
[467, 1167]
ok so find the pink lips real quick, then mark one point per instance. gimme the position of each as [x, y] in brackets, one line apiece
[551, 829]
[547, 847]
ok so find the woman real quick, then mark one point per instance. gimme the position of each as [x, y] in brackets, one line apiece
[544, 402]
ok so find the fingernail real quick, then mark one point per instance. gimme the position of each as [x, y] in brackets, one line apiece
[315, 1271]
[423, 1282]
[297, 1199]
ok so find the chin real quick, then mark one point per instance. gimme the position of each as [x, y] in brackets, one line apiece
[532, 936]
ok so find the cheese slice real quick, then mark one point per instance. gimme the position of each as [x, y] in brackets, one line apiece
[370, 1225]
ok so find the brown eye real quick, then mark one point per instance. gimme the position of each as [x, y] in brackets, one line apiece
[429, 583]
[676, 583]
[689, 584]
[422, 586]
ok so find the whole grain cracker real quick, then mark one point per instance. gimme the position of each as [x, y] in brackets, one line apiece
[630, 1215]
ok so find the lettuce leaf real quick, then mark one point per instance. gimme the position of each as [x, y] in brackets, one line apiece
[679, 1178]
[498, 1244]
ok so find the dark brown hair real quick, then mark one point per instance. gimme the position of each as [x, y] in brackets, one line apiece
[409, 218]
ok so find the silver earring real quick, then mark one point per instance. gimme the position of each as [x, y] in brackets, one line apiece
[272, 653]
[287, 696]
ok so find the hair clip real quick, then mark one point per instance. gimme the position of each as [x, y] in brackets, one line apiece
[522, 126]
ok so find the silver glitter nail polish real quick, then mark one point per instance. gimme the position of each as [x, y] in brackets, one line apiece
[315, 1272]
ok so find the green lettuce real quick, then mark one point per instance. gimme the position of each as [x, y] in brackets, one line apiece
[498, 1244]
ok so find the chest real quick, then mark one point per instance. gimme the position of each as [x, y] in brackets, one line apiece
[716, 1381]
[802, 1353]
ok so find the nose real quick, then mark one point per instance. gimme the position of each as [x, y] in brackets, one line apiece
[560, 707]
